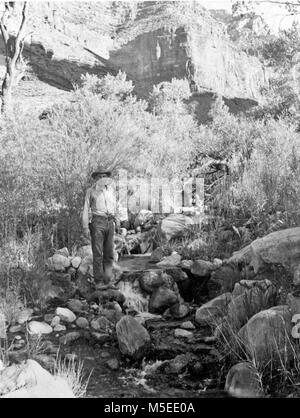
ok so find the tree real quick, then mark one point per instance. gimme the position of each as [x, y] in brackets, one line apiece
[14, 45]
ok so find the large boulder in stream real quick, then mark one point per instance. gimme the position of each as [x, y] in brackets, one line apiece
[280, 247]
[133, 338]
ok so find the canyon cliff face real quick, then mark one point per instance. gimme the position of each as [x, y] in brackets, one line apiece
[151, 41]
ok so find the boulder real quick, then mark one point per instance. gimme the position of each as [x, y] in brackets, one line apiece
[280, 247]
[133, 338]
[267, 335]
[30, 380]
[151, 280]
[202, 268]
[161, 299]
[172, 260]
[58, 263]
[209, 313]
[65, 314]
[242, 381]
[39, 328]
[175, 226]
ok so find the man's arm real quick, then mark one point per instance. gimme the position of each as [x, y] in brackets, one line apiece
[85, 214]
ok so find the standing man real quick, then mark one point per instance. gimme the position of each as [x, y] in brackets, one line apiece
[101, 202]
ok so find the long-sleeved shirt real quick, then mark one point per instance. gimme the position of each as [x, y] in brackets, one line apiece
[99, 200]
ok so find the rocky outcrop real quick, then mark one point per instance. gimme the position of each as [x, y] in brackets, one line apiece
[151, 41]
[172, 39]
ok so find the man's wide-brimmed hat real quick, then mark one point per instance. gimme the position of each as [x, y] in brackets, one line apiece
[101, 170]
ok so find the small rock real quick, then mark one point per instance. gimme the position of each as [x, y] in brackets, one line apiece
[179, 311]
[38, 328]
[59, 328]
[172, 260]
[58, 262]
[187, 325]
[101, 324]
[187, 264]
[179, 363]
[70, 337]
[182, 333]
[55, 321]
[48, 318]
[113, 364]
[104, 354]
[24, 316]
[217, 262]
[82, 322]
[15, 328]
[65, 314]
[75, 305]
[202, 268]
[243, 381]
[75, 262]
[100, 338]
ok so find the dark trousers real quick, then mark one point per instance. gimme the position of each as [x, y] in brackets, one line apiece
[102, 237]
